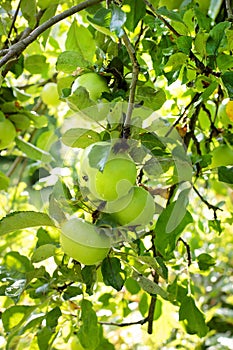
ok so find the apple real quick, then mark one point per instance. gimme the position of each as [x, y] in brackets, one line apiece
[49, 95]
[222, 156]
[93, 83]
[139, 211]
[117, 177]
[7, 133]
[84, 241]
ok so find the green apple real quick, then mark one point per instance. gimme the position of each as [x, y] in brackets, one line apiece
[84, 242]
[93, 83]
[7, 133]
[115, 179]
[49, 95]
[139, 211]
[222, 156]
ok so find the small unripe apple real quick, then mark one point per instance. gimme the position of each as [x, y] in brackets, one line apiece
[7, 133]
[49, 95]
[139, 211]
[93, 83]
[84, 241]
[222, 156]
[114, 180]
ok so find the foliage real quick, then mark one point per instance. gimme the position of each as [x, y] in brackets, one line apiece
[165, 71]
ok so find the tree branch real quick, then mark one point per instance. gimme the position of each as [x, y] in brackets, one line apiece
[135, 72]
[16, 49]
[229, 9]
[124, 324]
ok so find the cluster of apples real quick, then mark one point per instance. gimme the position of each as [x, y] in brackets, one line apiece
[107, 179]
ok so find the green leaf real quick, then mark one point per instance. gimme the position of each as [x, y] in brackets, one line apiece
[117, 21]
[23, 219]
[136, 10]
[89, 330]
[48, 13]
[32, 151]
[149, 286]
[55, 210]
[224, 62]
[171, 223]
[112, 273]
[227, 79]
[132, 285]
[36, 64]
[205, 261]
[14, 261]
[101, 18]
[43, 338]
[216, 35]
[208, 91]
[225, 174]
[68, 61]
[80, 99]
[28, 9]
[143, 304]
[184, 44]
[151, 141]
[192, 317]
[52, 317]
[153, 98]
[80, 40]
[80, 138]
[43, 252]
[98, 156]
[4, 181]
[175, 61]
[15, 316]
[71, 292]
[170, 14]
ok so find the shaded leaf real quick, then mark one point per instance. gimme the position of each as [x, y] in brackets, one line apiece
[152, 98]
[89, 331]
[136, 12]
[225, 174]
[43, 252]
[192, 317]
[149, 286]
[205, 261]
[112, 273]
[80, 138]
[32, 151]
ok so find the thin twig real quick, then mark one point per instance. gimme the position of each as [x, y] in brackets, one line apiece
[13, 21]
[124, 324]
[131, 51]
[16, 49]
[209, 205]
[184, 114]
[188, 250]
